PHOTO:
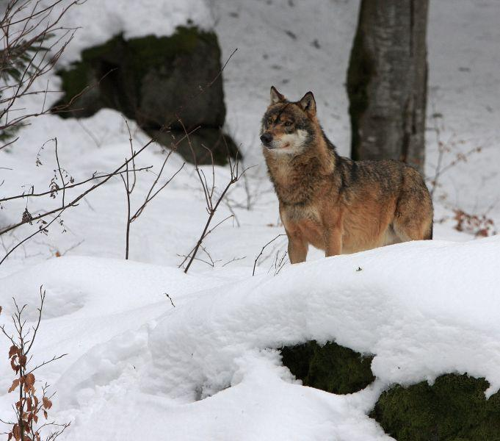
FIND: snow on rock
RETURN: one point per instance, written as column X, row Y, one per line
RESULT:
column 99, row 20
column 423, row 309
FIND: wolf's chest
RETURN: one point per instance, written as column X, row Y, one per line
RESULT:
column 300, row 213
column 305, row 222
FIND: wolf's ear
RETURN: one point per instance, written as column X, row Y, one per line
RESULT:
column 276, row 97
column 308, row 104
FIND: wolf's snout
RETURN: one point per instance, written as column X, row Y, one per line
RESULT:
column 266, row 138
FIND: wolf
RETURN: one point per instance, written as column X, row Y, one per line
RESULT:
column 331, row 202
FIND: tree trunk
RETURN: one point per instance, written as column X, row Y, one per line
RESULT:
column 387, row 81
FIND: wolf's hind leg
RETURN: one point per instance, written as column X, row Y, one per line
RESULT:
column 413, row 219
column 412, row 223
column 414, row 215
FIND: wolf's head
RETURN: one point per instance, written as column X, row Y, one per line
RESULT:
column 288, row 127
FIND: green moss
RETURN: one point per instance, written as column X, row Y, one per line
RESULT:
column 140, row 54
column 332, row 368
column 359, row 74
column 152, row 50
column 74, row 80
column 454, row 408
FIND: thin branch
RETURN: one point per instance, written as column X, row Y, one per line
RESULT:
column 262, row 251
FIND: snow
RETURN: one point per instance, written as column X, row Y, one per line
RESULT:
column 209, row 365
column 203, row 363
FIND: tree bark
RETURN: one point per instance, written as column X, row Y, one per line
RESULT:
column 387, row 81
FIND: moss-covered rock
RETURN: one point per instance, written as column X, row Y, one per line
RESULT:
column 332, row 368
column 454, row 408
column 221, row 145
column 155, row 81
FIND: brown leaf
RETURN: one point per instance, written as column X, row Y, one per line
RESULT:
column 45, row 414
column 22, row 360
column 29, row 381
column 14, row 365
column 46, row 403
column 13, row 351
column 15, row 383
column 16, row 431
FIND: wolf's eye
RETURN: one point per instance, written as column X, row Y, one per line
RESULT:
column 288, row 124
column 269, row 121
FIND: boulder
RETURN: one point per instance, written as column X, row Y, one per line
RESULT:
column 454, row 408
column 158, row 82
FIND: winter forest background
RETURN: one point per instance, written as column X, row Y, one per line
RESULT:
column 139, row 227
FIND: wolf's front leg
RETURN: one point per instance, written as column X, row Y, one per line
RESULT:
column 297, row 249
column 333, row 239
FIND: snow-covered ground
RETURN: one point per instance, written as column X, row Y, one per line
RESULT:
column 139, row 367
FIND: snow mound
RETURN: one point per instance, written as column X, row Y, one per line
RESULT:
column 437, row 312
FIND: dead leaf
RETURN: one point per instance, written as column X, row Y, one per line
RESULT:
column 46, row 403
column 13, row 351
column 29, row 381
column 15, row 383
column 22, row 360
column 16, row 431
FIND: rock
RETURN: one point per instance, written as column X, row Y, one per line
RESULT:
column 155, row 81
column 221, row 145
column 332, row 368
column 454, row 408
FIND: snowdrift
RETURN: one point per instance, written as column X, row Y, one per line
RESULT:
column 209, row 367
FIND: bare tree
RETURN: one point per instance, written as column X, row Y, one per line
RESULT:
column 29, row 406
column 31, row 42
column 38, row 220
column 387, row 81
column 129, row 179
column 212, row 199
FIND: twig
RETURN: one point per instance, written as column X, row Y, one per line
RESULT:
column 129, row 185
column 209, row 192
column 262, row 251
